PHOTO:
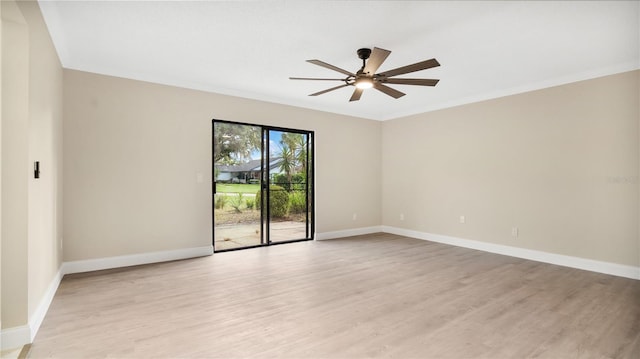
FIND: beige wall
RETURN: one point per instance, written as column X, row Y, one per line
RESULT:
column 0, row 174
column 133, row 151
column 45, row 146
column 31, row 130
column 15, row 120
column 561, row 164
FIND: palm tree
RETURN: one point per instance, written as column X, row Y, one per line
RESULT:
column 287, row 164
column 297, row 144
column 301, row 153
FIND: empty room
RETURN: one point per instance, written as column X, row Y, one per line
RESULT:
column 319, row 179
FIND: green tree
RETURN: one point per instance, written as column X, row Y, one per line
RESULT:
column 297, row 146
column 234, row 143
column 288, row 161
column 301, row 154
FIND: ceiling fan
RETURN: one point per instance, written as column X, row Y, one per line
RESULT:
column 366, row 77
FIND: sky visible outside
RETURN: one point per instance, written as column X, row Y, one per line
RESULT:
column 274, row 145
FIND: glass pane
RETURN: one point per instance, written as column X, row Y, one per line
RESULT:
column 237, row 173
column 289, row 190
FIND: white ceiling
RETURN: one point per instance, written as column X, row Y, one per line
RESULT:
column 487, row 49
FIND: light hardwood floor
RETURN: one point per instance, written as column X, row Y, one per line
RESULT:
column 375, row 296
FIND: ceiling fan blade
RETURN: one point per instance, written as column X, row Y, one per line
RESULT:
column 423, row 65
column 388, row 90
column 419, row 82
column 375, row 60
column 356, row 94
column 327, row 90
column 331, row 67
column 313, row 78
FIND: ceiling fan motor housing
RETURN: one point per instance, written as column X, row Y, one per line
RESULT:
column 364, row 53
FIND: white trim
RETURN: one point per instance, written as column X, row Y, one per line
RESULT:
column 38, row 316
column 17, row 337
column 14, row 338
column 540, row 85
column 89, row 265
column 484, row 96
column 348, row 233
column 619, row 270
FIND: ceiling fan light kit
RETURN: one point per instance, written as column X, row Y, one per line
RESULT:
column 364, row 83
column 367, row 77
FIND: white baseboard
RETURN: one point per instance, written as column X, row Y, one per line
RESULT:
column 348, row 233
column 619, row 270
column 38, row 316
column 17, row 337
column 89, row 265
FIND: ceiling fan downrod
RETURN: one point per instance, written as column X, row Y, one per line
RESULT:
column 364, row 54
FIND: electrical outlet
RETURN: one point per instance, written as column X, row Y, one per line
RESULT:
column 462, row 219
column 355, row 216
column 402, row 216
column 514, row 232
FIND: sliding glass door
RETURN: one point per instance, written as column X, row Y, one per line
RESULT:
column 289, row 198
column 263, row 185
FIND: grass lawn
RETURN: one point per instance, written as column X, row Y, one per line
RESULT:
column 237, row 188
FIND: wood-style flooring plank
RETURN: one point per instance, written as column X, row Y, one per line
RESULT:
column 373, row 296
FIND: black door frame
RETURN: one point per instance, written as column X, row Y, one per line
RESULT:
column 265, row 182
